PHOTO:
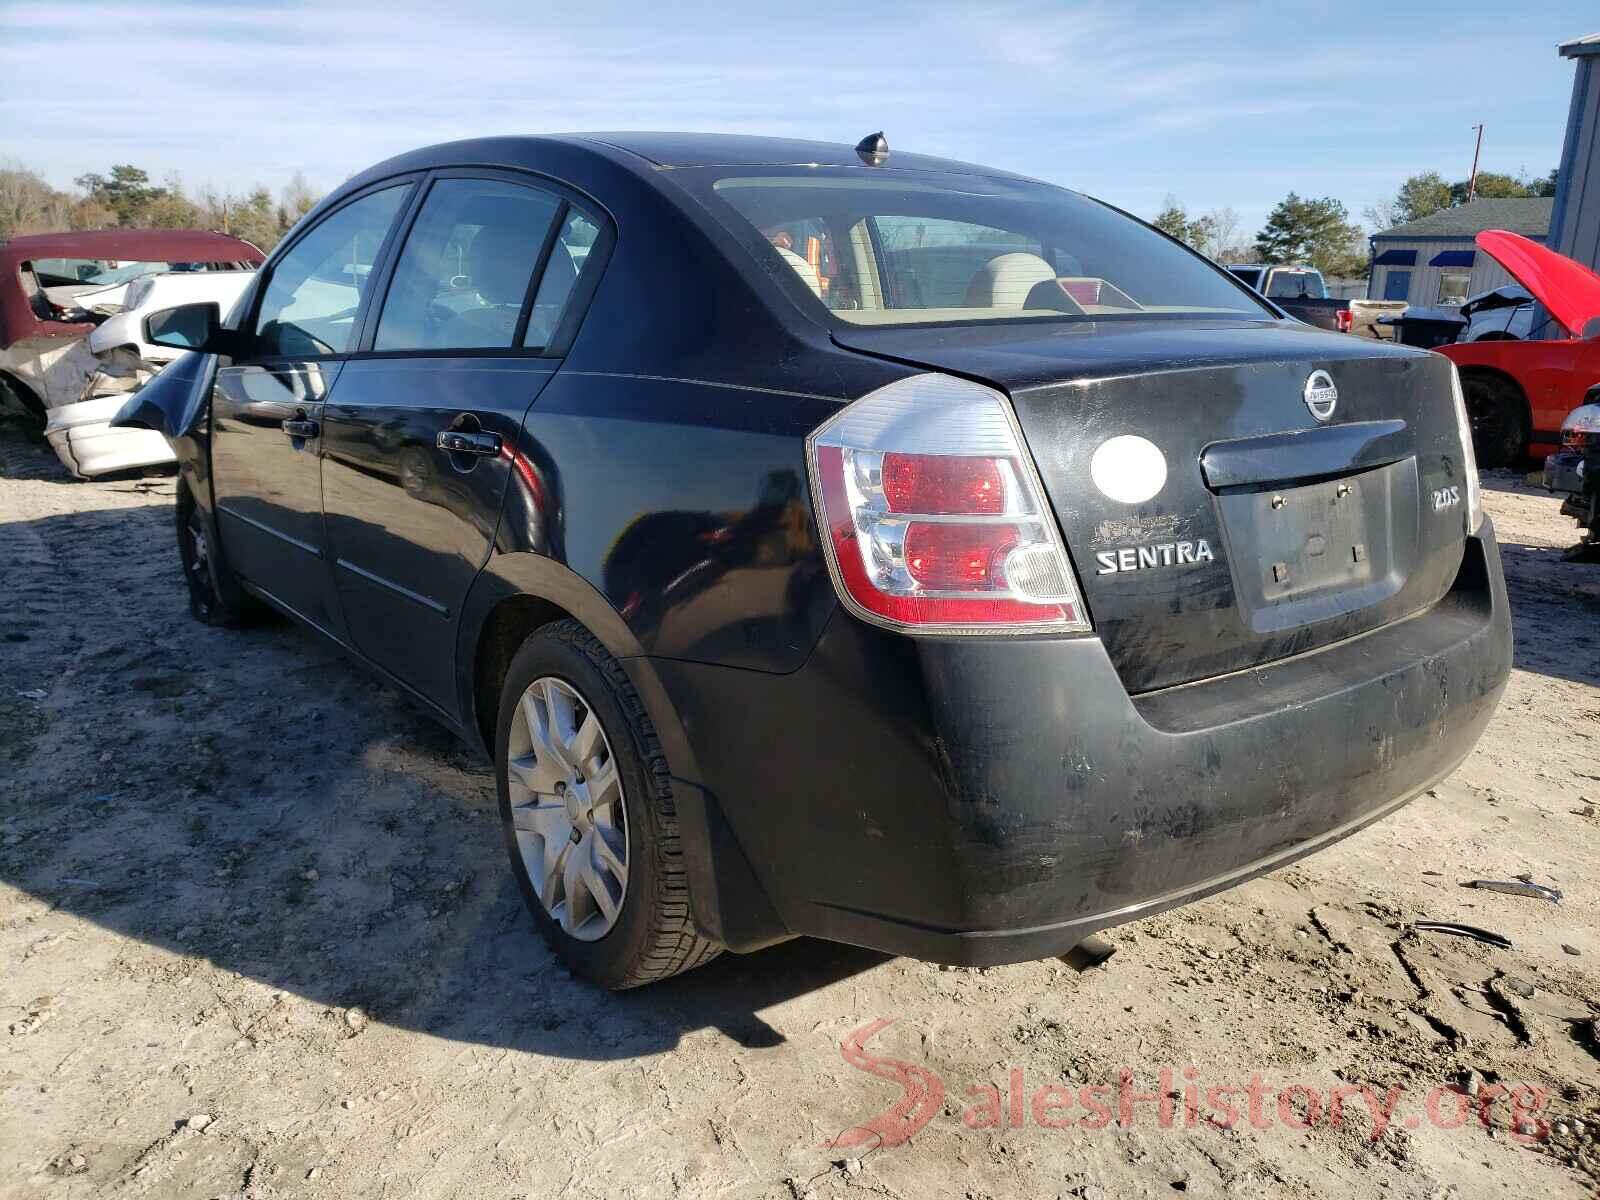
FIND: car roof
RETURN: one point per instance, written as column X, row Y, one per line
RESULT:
column 665, row 149
column 136, row 245
column 643, row 154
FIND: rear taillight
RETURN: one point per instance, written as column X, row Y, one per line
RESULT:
column 1345, row 319
column 933, row 516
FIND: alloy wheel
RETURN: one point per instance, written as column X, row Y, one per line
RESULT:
column 567, row 808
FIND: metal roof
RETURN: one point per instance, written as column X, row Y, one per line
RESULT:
column 1579, row 47
column 1527, row 215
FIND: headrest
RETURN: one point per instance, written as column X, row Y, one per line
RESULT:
column 803, row 269
column 500, row 260
column 1006, row 280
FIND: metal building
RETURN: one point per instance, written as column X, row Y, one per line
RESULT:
column 1575, row 228
column 1434, row 262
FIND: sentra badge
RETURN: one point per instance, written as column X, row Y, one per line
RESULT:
column 1161, row 554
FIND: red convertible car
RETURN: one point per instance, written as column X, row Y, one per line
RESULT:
column 1518, row 392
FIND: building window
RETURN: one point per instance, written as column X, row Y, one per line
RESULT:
column 1453, row 287
column 1397, row 285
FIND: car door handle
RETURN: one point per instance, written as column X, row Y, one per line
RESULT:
column 300, row 428
column 459, row 442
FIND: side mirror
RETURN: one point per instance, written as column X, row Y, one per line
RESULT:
column 189, row 327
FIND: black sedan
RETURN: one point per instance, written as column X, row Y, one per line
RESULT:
column 828, row 540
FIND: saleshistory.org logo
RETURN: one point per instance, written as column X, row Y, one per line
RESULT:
column 1173, row 1099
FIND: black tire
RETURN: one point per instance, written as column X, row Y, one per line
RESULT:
column 18, row 401
column 1498, row 414
column 215, row 597
column 654, row 936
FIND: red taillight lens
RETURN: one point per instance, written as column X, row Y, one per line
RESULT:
column 958, row 557
column 1578, row 439
column 943, row 483
column 933, row 515
column 1345, row 319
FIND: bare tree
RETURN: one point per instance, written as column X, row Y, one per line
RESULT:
column 28, row 204
column 1380, row 215
column 1225, row 239
column 297, row 197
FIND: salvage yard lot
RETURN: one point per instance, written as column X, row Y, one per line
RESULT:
column 259, row 939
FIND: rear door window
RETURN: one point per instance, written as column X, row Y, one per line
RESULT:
column 462, row 279
column 314, row 295
column 569, row 260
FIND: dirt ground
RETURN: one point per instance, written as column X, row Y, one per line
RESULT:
column 259, row 939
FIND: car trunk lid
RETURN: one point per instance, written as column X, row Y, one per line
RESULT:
column 1274, row 532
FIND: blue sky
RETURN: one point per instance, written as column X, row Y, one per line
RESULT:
column 1220, row 104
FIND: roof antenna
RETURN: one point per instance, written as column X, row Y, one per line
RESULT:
column 873, row 149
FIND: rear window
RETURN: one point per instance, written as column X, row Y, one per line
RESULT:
column 892, row 248
column 1296, row 285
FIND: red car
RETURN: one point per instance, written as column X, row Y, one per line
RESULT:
column 1518, row 392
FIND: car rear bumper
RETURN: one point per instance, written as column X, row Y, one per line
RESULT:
column 84, row 441
column 1563, row 472
column 980, row 801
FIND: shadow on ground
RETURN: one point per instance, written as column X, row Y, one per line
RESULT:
column 256, row 800
column 1555, row 612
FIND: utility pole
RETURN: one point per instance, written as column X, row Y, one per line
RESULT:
column 1472, row 184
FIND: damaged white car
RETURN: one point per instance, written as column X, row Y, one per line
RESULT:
column 71, row 348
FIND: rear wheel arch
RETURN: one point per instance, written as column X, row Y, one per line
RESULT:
column 510, row 623
column 515, row 595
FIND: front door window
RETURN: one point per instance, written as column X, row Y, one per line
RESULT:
column 312, row 300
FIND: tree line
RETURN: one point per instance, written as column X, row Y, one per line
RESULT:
column 1300, row 229
column 125, row 197
column 1319, row 231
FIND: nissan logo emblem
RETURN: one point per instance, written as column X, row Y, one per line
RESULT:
column 1321, row 396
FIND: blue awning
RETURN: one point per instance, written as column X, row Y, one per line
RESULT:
column 1453, row 258
column 1396, row 258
